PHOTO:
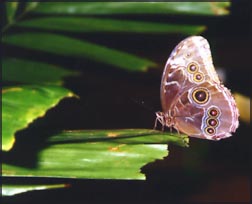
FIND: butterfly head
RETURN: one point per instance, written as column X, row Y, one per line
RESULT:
column 165, row 119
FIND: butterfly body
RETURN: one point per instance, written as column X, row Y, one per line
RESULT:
column 193, row 99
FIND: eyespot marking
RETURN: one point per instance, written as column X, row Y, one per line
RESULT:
column 200, row 95
column 198, row 77
column 214, row 112
column 192, row 67
column 212, row 122
column 210, row 130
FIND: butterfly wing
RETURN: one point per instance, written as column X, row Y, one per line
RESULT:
column 190, row 63
column 191, row 91
column 206, row 111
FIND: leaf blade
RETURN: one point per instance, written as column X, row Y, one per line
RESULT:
column 125, row 136
column 113, row 8
column 11, row 8
column 11, row 190
column 99, row 154
column 66, row 46
column 87, row 24
column 21, row 105
column 103, row 160
column 33, row 72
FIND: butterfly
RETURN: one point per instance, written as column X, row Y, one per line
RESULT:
column 193, row 99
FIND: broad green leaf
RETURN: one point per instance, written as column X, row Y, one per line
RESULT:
column 11, row 189
column 62, row 45
column 11, row 8
column 32, row 72
column 21, row 105
column 99, row 154
column 84, row 24
column 94, row 160
column 108, row 8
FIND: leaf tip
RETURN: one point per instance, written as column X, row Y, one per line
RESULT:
column 9, row 145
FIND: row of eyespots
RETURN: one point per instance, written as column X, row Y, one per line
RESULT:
column 193, row 69
column 212, row 120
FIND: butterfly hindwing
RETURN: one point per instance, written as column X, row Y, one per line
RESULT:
column 206, row 111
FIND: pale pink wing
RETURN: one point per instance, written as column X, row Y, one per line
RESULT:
column 190, row 90
column 214, row 118
column 193, row 50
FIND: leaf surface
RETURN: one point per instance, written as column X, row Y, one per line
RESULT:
column 99, row 154
column 33, row 72
column 21, row 105
column 87, row 24
column 66, row 46
column 110, row 8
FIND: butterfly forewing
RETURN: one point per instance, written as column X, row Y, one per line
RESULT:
column 190, row 55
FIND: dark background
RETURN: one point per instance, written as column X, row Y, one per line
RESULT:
column 207, row 171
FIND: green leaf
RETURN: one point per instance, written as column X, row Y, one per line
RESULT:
column 84, row 24
column 30, row 5
column 125, row 136
column 32, row 72
column 11, row 189
column 11, row 8
column 96, row 160
column 108, row 8
column 67, row 46
column 21, row 105
column 99, row 154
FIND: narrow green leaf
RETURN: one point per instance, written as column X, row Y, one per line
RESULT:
column 93, row 160
column 11, row 8
column 84, row 24
column 108, row 8
column 30, row 5
column 125, row 136
column 10, row 189
column 32, row 72
column 67, row 46
column 21, row 105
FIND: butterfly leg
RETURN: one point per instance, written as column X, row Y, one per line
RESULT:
column 155, row 125
column 160, row 118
